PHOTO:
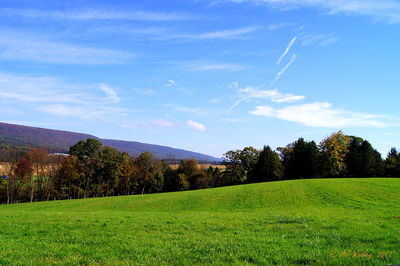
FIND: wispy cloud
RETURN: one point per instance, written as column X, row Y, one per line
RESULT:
column 388, row 10
column 223, row 34
column 162, row 123
column 196, row 125
column 53, row 96
column 190, row 110
column 97, row 14
column 320, row 39
column 112, row 94
column 284, row 69
column 21, row 47
column 170, row 83
column 291, row 43
column 252, row 93
column 320, row 114
column 153, row 123
column 233, row 85
column 278, row 26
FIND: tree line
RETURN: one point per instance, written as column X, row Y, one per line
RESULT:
column 93, row 170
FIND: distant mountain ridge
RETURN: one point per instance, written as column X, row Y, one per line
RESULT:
column 60, row 141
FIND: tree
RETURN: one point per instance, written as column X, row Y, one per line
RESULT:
column 334, row 150
column 39, row 159
column 239, row 164
column 149, row 173
column 126, row 182
column 362, row 160
column 86, row 149
column 87, row 153
column 191, row 169
column 22, row 174
column 392, row 163
column 68, row 182
column 111, row 169
column 371, row 161
column 268, row 167
column 301, row 159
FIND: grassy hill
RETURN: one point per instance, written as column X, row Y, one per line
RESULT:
column 60, row 141
column 332, row 221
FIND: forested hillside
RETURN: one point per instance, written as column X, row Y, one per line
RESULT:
column 60, row 141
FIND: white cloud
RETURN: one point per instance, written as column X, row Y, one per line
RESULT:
column 162, row 123
column 321, row 39
column 234, row 85
column 388, row 10
column 320, row 114
column 170, row 83
column 151, row 124
column 190, row 110
column 252, row 93
column 284, row 69
column 39, row 89
column 22, row 47
column 69, row 111
column 272, row 95
column 291, row 43
column 196, row 125
column 278, row 26
column 224, row 34
column 97, row 14
column 111, row 93
column 53, row 96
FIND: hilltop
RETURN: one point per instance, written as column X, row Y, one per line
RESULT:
column 59, row 141
column 330, row 221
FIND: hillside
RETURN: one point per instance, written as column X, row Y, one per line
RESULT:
column 333, row 221
column 60, row 141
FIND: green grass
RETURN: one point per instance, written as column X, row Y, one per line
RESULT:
column 332, row 221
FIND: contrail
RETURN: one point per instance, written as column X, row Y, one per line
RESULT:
column 291, row 43
column 278, row 76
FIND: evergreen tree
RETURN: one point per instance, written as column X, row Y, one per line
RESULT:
column 301, row 159
column 268, row 167
column 392, row 163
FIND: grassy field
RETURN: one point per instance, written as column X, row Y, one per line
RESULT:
column 342, row 221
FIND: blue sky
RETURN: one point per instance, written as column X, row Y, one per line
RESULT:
column 204, row 75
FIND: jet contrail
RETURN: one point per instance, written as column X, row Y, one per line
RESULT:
column 278, row 76
column 291, row 43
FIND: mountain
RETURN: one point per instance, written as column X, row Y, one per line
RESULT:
column 59, row 141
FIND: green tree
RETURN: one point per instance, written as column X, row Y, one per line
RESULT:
column 239, row 164
column 86, row 149
column 268, row 167
column 87, row 153
column 362, row 160
column 301, row 159
column 392, row 163
column 111, row 170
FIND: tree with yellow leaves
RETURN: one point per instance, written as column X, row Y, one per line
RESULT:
column 333, row 150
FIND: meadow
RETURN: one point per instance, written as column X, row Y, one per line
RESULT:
column 299, row 222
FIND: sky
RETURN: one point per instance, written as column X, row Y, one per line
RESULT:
column 204, row 75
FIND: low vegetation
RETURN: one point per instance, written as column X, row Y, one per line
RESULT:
column 315, row 222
